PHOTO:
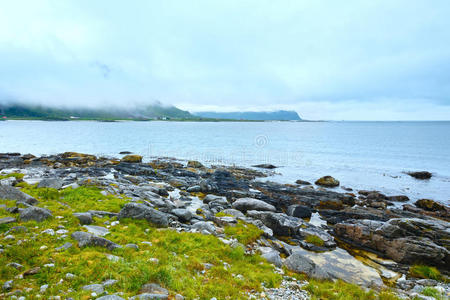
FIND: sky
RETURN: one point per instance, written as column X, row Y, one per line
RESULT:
column 328, row 60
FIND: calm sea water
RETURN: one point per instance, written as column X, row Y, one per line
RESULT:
column 362, row 155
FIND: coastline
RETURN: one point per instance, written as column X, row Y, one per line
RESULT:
column 297, row 226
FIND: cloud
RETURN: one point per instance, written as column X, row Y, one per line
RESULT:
column 230, row 54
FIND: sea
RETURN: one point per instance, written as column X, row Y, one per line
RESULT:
column 361, row 155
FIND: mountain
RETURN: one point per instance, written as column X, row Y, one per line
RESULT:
column 280, row 115
column 155, row 111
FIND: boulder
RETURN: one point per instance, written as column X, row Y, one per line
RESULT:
column 420, row 175
column 85, row 218
column 12, row 193
column 195, row 164
column 233, row 212
column 183, row 214
column 430, row 205
column 327, row 181
column 399, row 198
column 96, row 230
column 96, row 288
column 7, row 220
column 265, row 166
column 273, row 257
column 140, row 211
column 298, row 263
column 211, row 197
column 88, row 239
column 245, row 204
column 299, row 211
column 132, row 158
column 35, row 213
column 281, row 224
column 153, row 288
column 302, row 182
column 54, row 183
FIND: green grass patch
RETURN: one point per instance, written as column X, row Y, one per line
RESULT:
column 423, row 271
column 243, row 232
column 314, row 239
column 432, row 292
column 18, row 176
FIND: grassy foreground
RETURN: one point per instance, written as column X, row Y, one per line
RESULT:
column 174, row 260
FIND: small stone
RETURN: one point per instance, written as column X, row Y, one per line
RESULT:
column 9, row 237
column 48, row 231
column 42, row 248
column 43, row 288
column 179, row 297
column 49, row 265
column 109, row 282
column 8, row 285
column 15, row 265
column 70, row 276
column 96, row 288
column 64, row 247
column 132, row 246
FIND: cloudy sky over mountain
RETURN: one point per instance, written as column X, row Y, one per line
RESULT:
column 326, row 59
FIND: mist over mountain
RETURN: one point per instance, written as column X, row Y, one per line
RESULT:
column 280, row 115
column 39, row 111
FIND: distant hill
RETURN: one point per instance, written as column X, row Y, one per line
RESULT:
column 280, row 115
column 155, row 111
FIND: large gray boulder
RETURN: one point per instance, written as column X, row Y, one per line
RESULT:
column 84, row 217
column 183, row 214
column 140, row 211
column 298, row 263
column 88, row 239
column 12, row 193
column 35, row 213
column 54, row 183
column 245, row 204
column 280, row 223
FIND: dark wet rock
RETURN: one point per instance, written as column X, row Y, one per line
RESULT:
column 403, row 240
column 7, row 220
column 32, row 271
column 335, row 204
column 299, row 211
column 88, row 239
column 35, row 213
column 245, row 204
column 132, row 158
column 302, row 182
column 140, row 211
column 400, row 198
column 420, row 174
column 125, row 152
column 301, row 264
column 84, row 218
column 265, row 166
column 54, row 183
column 430, row 205
column 195, row 164
column 8, row 285
column 376, row 197
column 12, row 193
column 327, row 181
column 333, row 216
column 222, row 182
column 280, row 223
column 183, row 215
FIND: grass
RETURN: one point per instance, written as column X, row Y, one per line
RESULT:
column 180, row 256
column 423, row 271
column 18, row 176
column 243, row 232
column 314, row 239
column 432, row 292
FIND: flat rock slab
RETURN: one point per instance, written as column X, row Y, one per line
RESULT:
column 96, row 230
column 245, row 204
column 7, row 220
column 110, row 297
column 11, row 193
column 54, row 183
column 140, row 211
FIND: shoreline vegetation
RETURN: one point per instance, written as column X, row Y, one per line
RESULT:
column 77, row 226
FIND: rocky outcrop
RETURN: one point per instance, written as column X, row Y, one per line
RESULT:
column 245, row 204
column 140, row 211
column 298, row 263
column 132, row 158
column 54, row 183
column 327, row 181
column 430, row 205
column 12, row 193
column 403, row 240
column 420, row 175
column 35, row 213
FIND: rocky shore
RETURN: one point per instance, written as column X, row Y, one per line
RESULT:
column 296, row 230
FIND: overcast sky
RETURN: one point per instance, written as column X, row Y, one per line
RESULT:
column 352, row 60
